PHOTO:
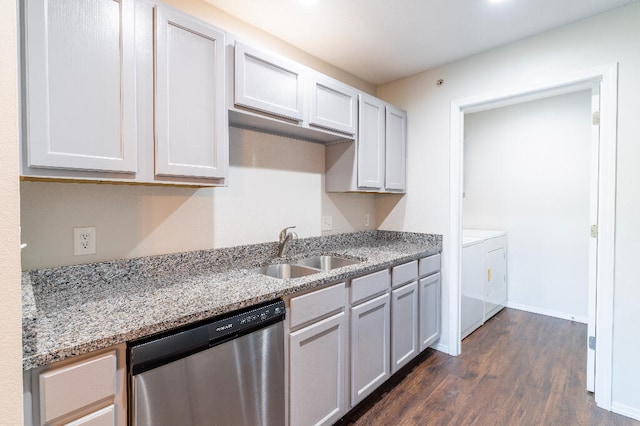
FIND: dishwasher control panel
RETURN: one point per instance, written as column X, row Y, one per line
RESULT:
column 236, row 323
column 148, row 353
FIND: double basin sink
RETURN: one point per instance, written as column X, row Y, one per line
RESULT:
column 306, row 266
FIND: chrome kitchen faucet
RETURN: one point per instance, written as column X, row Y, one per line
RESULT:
column 285, row 236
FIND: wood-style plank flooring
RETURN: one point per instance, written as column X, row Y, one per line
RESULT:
column 517, row 369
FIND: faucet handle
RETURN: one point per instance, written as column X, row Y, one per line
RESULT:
column 284, row 232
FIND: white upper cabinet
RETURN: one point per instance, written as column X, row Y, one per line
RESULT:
column 123, row 91
column 268, row 83
column 333, row 105
column 190, row 109
column 80, row 85
column 376, row 161
column 371, row 142
column 275, row 95
column 395, row 149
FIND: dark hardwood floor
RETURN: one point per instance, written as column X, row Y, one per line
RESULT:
column 517, row 369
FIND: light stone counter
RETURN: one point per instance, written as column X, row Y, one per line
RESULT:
column 73, row 310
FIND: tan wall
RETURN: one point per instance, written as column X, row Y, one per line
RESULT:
column 273, row 182
column 10, row 312
column 251, row 34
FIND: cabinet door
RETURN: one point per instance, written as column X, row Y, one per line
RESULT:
column 370, row 347
column 191, row 118
column 79, row 385
column 404, row 325
column 80, row 85
column 429, row 310
column 318, row 372
column 268, row 83
column 333, row 105
column 371, row 136
column 395, row 149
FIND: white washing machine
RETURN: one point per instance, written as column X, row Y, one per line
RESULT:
column 484, row 273
column 472, row 288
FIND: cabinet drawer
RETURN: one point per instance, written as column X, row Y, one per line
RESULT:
column 77, row 386
column 317, row 304
column 429, row 265
column 404, row 273
column 103, row 417
column 370, row 285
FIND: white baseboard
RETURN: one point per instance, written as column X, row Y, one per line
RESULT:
column 625, row 410
column 547, row 312
column 440, row 347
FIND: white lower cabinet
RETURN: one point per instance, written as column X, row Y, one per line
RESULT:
column 429, row 310
column 370, row 346
column 88, row 391
column 318, row 372
column 404, row 325
column 318, row 356
column 103, row 417
column 347, row 339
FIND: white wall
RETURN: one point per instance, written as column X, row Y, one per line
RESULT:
column 607, row 38
column 527, row 172
column 10, row 312
column 273, row 182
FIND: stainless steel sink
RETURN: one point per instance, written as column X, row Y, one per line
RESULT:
column 304, row 267
column 325, row 263
column 286, row 270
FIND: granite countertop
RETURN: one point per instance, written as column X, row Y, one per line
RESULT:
column 69, row 311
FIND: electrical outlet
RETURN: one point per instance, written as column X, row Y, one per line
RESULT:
column 84, row 241
column 366, row 220
column 327, row 223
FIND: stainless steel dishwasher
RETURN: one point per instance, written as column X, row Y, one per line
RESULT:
column 229, row 371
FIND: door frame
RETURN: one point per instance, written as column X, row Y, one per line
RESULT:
column 607, row 77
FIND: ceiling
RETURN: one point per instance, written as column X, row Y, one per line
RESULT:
column 384, row 40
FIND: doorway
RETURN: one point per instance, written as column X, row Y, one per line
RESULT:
column 527, row 171
column 601, row 296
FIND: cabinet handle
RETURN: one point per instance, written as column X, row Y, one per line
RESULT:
column 489, row 274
